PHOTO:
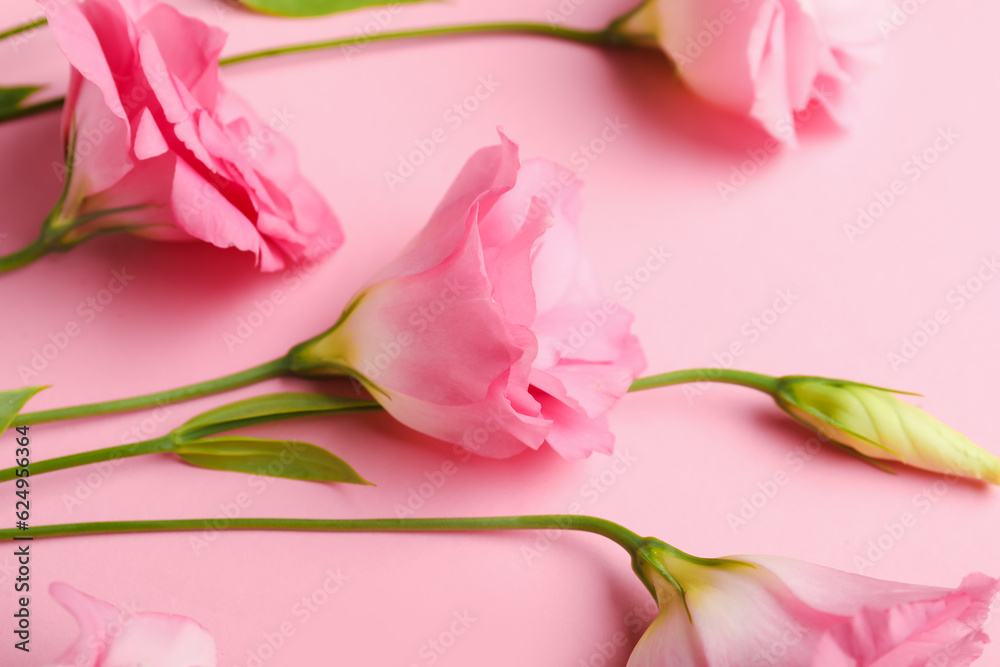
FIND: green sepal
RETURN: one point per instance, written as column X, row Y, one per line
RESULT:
column 11, row 98
column 276, row 458
column 868, row 459
column 836, row 424
column 301, row 8
column 791, row 378
column 646, row 554
column 268, row 408
column 69, row 241
column 11, row 402
column 790, row 399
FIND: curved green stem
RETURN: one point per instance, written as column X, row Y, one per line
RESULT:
column 48, row 240
column 26, row 255
column 588, row 37
column 282, row 367
column 188, row 434
column 60, row 235
column 630, row 541
column 764, row 383
column 605, row 37
column 271, row 369
column 157, row 445
column 22, row 28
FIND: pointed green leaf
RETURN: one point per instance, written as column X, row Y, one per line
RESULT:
column 314, row 7
column 11, row 402
column 268, row 408
column 11, row 98
column 276, row 458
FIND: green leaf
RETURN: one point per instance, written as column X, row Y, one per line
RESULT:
column 268, row 408
column 276, row 458
column 11, row 98
column 11, row 402
column 315, row 7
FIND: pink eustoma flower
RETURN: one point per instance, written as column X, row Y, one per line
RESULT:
column 491, row 331
column 110, row 637
column 768, row 58
column 149, row 126
column 752, row 611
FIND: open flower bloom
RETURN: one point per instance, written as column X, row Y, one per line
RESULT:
column 750, row 611
column 875, row 423
column 110, row 637
column 491, row 330
column 767, row 59
column 149, row 127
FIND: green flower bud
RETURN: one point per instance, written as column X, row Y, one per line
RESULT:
column 875, row 423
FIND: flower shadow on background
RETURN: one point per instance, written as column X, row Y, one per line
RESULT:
column 671, row 113
column 783, row 432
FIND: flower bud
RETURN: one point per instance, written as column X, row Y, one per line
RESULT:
column 875, row 423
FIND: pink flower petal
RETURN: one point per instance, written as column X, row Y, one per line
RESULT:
column 144, row 87
column 448, row 336
column 765, row 610
column 111, row 638
column 767, row 59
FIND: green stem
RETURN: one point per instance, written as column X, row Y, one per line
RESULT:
column 170, row 442
column 764, row 383
column 157, row 445
column 22, row 28
column 49, row 239
column 281, row 367
column 619, row 534
column 278, row 368
column 59, row 235
column 272, row 369
column 590, row 38
column 26, row 255
column 605, row 37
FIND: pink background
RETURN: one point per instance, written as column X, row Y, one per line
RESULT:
column 688, row 462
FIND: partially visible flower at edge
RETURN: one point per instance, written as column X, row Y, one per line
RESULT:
column 157, row 146
column 754, row 611
column 767, row 59
column 110, row 637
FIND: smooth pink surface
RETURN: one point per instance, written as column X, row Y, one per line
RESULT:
column 777, row 237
